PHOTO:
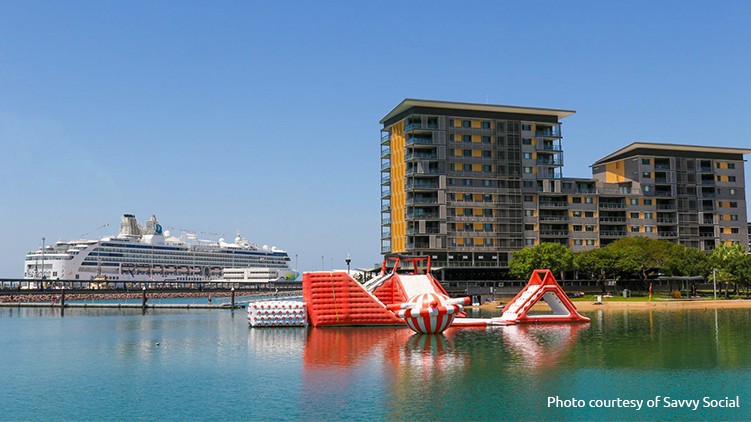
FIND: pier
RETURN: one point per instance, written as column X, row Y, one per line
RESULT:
column 60, row 293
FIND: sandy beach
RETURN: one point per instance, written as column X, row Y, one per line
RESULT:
column 659, row 304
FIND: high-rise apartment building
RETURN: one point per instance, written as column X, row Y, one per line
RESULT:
column 470, row 183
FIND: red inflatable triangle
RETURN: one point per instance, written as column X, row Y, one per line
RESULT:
column 541, row 285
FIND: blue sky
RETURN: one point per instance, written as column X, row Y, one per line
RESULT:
column 263, row 116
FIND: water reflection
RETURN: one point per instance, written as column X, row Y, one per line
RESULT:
column 541, row 346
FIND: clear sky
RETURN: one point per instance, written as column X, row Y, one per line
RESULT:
column 263, row 116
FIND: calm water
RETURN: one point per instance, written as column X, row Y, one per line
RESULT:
column 188, row 365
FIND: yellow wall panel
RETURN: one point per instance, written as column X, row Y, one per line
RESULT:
column 398, row 194
column 614, row 172
column 476, row 124
column 476, row 153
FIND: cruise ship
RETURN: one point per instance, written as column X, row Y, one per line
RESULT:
column 147, row 253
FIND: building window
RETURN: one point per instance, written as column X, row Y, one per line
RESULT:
column 733, row 205
column 486, row 154
column 466, row 123
column 646, row 175
column 486, row 168
column 487, row 197
column 529, row 213
column 649, row 229
column 527, row 183
column 467, row 152
column 526, row 141
column 577, row 242
column 486, row 183
column 577, row 228
column 467, row 196
column 576, row 214
column 528, row 170
column 647, row 202
column 634, row 201
column 499, row 126
column 487, row 212
column 467, row 167
column 634, row 215
column 588, row 200
column 648, row 215
column 589, row 228
column 634, row 229
column 734, row 230
column 452, row 181
column 466, row 138
column 528, row 198
column 590, row 242
column 529, row 242
column 733, row 218
column 731, row 179
column 527, row 155
column 732, row 191
column 468, row 212
column 451, row 122
column 731, row 166
column 486, row 125
column 647, row 188
column 645, row 161
column 529, row 227
column 452, row 136
column 589, row 214
column 485, row 139
column 576, row 200
column 526, row 127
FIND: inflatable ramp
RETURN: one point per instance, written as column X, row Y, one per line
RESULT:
column 335, row 298
column 542, row 286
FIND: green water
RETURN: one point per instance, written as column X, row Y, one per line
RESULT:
column 207, row 364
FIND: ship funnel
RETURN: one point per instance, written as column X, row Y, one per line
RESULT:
column 129, row 226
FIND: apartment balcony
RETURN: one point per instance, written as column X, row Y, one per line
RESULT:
column 667, row 221
column 705, row 235
column 663, row 194
column 549, row 162
column 667, row 234
column 386, row 179
column 554, row 132
column 548, row 219
column 705, row 169
column 385, row 207
column 612, row 206
column 672, row 207
column 420, row 156
column 422, row 215
column 420, row 126
column 553, row 233
column 613, row 220
column 385, row 193
column 662, row 180
column 386, row 166
column 707, row 182
column 416, row 172
column 420, row 185
column 419, row 140
column 542, row 146
column 548, row 204
column 662, row 166
column 613, row 234
column 422, row 201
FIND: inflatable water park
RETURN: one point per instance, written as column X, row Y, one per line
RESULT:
column 405, row 293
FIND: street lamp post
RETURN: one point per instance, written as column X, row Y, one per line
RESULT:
column 348, row 260
column 43, row 247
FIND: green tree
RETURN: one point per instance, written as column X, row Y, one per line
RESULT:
column 553, row 256
column 597, row 264
column 684, row 261
column 640, row 256
column 725, row 258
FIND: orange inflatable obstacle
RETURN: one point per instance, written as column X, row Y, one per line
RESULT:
column 542, row 286
column 335, row 298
